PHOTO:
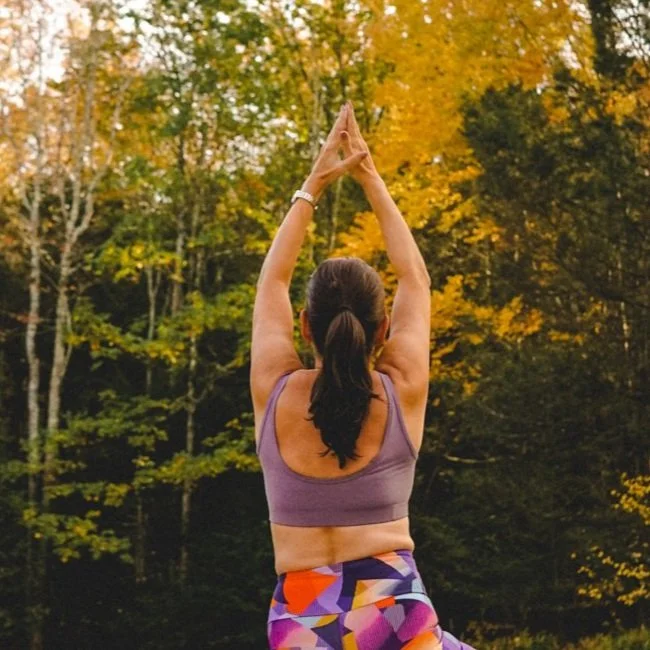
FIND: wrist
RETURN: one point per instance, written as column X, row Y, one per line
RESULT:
column 314, row 186
column 372, row 182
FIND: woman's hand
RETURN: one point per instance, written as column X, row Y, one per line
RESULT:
column 328, row 166
column 353, row 143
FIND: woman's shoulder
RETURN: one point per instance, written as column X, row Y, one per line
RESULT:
column 263, row 386
column 411, row 393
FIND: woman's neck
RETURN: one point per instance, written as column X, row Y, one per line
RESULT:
column 318, row 364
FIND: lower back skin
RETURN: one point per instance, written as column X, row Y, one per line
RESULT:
column 298, row 548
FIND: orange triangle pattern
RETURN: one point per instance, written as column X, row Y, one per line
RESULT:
column 302, row 589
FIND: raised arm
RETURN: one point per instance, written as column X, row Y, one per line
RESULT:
column 407, row 350
column 272, row 349
column 406, row 354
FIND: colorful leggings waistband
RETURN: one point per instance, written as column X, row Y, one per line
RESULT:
column 374, row 603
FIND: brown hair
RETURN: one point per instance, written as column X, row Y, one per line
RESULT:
column 344, row 307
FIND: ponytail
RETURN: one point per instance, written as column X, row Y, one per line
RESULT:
column 341, row 394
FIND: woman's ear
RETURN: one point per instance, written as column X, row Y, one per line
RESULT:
column 304, row 326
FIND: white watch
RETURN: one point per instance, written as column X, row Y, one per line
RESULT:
column 301, row 194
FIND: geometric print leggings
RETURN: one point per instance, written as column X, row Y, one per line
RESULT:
column 374, row 603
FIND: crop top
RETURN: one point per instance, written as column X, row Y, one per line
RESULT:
column 378, row 492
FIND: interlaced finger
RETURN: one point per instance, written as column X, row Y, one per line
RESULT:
column 346, row 165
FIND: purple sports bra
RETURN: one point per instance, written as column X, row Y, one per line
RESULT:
column 378, row 492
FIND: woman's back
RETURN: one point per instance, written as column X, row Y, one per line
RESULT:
column 292, row 444
column 300, row 442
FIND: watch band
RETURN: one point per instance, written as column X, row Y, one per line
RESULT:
column 301, row 194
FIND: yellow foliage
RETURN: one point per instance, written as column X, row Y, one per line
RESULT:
column 442, row 52
column 451, row 315
column 469, row 387
column 621, row 105
column 627, row 579
column 566, row 337
column 484, row 229
column 511, row 322
column 557, row 113
column 636, row 498
column 80, row 531
column 447, row 305
column 363, row 239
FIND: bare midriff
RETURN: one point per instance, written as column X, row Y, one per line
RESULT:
column 297, row 548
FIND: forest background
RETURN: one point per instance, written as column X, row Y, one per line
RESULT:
column 148, row 151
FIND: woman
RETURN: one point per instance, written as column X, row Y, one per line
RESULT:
column 338, row 443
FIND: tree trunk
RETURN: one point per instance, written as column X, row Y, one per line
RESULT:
column 34, row 575
column 177, row 281
column 152, row 294
column 57, row 374
column 194, row 280
column 140, row 536
column 186, row 503
column 59, row 362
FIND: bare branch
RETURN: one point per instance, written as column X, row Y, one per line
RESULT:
column 470, row 461
column 89, row 201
